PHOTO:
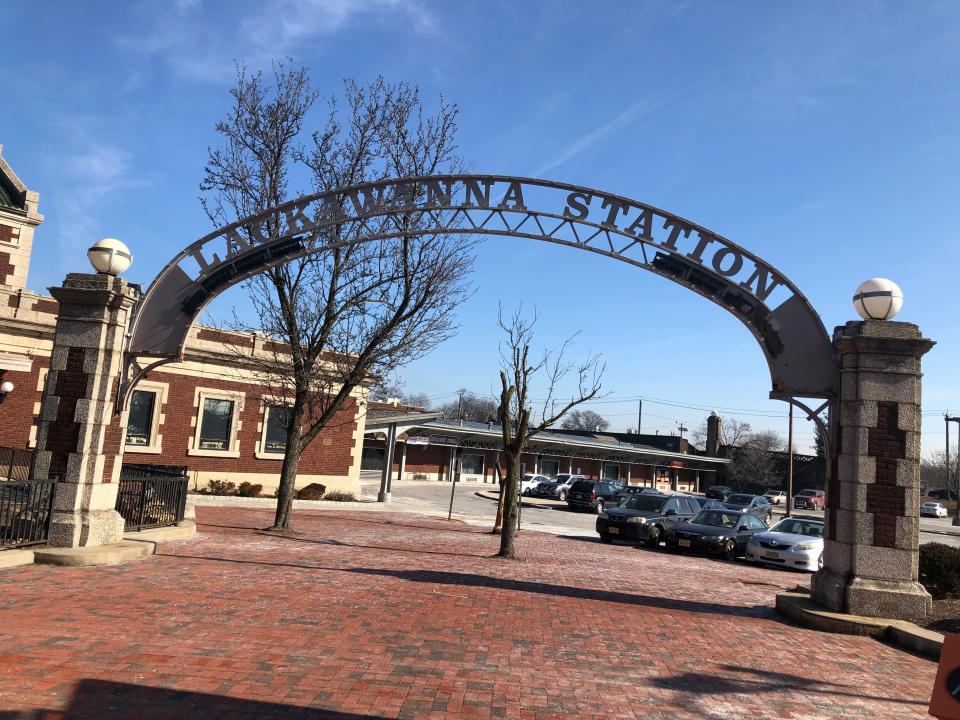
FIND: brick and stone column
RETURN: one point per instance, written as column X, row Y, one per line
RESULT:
column 79, row 440
column 872, row 550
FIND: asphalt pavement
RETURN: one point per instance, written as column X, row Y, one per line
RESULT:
column 473, row 503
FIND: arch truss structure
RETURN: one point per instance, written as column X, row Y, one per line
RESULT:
column 789, row 331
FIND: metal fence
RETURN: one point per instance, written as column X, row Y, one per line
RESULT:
column 152, row 496
column 25, row 504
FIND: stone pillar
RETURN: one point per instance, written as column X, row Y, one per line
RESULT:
column 871, row 552
column 79, row 440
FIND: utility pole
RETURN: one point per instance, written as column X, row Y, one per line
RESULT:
column 947, row 419
column 461, row 393
column 790, row 461
column 681, row 427
column 639, row 416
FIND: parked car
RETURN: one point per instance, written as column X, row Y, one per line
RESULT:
column 719, row 492
column 942, row 494
column 559, row 487
column 592, row 494
column 529, row 481
column 631, row 490
column 644, row 518
column 809, row 500
column 776, row 497
column 933, row 509
column 792, row 542
column 715, row 532
column 754, row 504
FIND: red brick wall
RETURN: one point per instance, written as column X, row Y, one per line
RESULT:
column 328, row 454
column 16, row 412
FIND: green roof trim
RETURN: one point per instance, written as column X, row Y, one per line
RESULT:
column 9, row 198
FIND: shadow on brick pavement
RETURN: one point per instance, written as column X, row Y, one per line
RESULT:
column 364, row 615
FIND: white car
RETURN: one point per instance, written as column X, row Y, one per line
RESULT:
column 792, row 542
column 933, row 509
column 776, row 497
column 529, row 481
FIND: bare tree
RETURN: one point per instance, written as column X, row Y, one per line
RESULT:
column 337, row 318
column 584, row 420
column 698, row 436
column 471, row 407
column 519, row 367
column 734, row 432
column 754, row 462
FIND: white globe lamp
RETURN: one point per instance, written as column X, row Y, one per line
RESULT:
column 878, row 299
column 109, row 256
column 6, row 387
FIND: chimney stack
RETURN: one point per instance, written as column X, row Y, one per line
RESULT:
column 713, row 434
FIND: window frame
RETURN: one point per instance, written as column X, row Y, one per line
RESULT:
column 155, row 445
column 267, row 402
column 201, row 395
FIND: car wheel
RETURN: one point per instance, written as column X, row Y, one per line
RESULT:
column 730, row 550
column 820, row 562
column 653, row 539
column 606, row 538
column 562, row 496
column 599, row 506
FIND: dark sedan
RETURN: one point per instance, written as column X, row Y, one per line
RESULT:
column 715, row 532
column 644, row 518
column 754, row 504
column 719, row 492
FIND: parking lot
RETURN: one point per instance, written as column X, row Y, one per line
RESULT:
column 368, row 614
column 555, row 517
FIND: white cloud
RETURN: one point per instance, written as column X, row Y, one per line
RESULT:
column 88, row 179
column 190, row 47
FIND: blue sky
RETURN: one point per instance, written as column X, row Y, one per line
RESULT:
column 822, row 136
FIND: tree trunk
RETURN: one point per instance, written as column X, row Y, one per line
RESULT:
column 510, row 491
column 498, row 523
column 288, row 472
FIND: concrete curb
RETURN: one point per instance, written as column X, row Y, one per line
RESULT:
column 15, row 558
column 232, row 501
column 802, row 610
column 111, row 554
column 183, row 530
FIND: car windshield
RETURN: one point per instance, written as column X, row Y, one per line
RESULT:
column 643, row 503
column 799, row 527
column 740, row 499
column 716, row 518
column 561, row 478
column 582, row 485
column 807, row 493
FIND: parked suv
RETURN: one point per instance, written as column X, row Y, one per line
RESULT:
column 593, row 494
column 810, row 500
column 559, row 487
column 719, row 492
column 645, row 518
column 756, row 505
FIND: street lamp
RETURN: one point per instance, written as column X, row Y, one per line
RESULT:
column 6, row 387
column 109, row 256
column 878, row 299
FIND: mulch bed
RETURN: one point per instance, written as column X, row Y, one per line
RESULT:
column 945, row 617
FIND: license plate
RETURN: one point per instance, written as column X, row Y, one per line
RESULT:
column 614, row 531
column 578, row 497
column 772, row 555
column 684, row 543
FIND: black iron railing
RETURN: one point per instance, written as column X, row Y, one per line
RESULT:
column 25, row 504
column 152, row 496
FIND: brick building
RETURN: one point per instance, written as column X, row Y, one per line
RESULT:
column 209, row 412
column 432, row 448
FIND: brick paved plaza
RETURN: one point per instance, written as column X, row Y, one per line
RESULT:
column 378, row 615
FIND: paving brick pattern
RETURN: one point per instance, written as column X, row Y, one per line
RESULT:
column 368, row 615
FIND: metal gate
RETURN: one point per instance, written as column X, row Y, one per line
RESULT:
column 152, row 496
column 25, row 504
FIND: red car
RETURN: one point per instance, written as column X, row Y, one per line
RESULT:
column 809, row 500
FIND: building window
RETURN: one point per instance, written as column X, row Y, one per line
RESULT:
column 550, row 468
column 215, row 424
column 140, row 419
column 275, row 436
column 471, row 465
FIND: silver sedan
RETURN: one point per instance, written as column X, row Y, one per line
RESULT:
column 793, row 542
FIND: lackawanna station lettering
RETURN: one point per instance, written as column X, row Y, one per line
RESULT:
column 611, row 224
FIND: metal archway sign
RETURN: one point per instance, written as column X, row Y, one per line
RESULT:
column 789, row 331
